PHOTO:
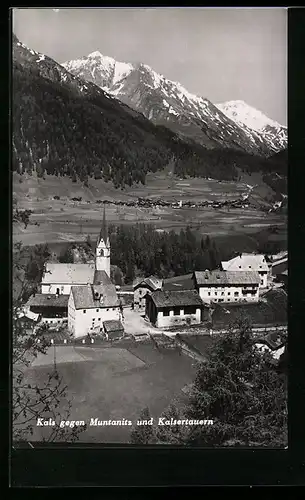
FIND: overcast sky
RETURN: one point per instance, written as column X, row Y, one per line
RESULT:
column 222, row 54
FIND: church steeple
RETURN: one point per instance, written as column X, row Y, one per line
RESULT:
column 104, row 230
column 102, row 254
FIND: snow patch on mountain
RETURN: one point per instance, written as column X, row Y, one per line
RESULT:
column 241, row 112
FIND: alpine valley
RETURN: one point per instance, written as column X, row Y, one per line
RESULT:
column 95, row 129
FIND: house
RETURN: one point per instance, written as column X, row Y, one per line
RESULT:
column 170, row 308
column 52, row 309
column 142, row 287
column 227, row 286
column 113, row 329
column 249, row 262
column 90, row 306
column 59, row 278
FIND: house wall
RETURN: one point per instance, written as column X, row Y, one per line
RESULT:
column 227, row 294
column 49, row 311
column 163, row 321
column 71, row 315
column 264, row 277
column 92, row 320
column 139, row 298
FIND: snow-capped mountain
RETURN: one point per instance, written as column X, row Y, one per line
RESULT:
column 243, row 114
column 168, row 103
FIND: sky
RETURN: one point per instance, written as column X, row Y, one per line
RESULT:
column 217, row 53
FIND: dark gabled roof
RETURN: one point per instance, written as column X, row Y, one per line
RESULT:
column 173, row 298
column 113, row 325
column 185, row 282
column 48, row 300
column 84, row 296
column 226, row 278
column 151, row 282
column 101, row 278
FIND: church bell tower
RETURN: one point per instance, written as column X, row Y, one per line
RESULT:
column 102, row 253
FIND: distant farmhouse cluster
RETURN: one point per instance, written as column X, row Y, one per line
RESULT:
column 83, row 297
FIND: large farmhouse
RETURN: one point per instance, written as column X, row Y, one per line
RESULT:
column 227, row 286
column 249, row 262
column 172, row 308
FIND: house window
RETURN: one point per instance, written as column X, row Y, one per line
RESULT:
column 140, row 292
column 239, row 267
column 249, row 267
column 209, row 293
column 229, row 300
column 97, row 310
column 84, row 311
column 107, row 309
column 99, row 319
column 176, row 311
column 166, row 312
column 235, row 300
column 229, row 293
column 262, row 282
column 93, row 319
column 190, row 310
column 215, row 293
column 236, row 294
column 222, row 293
column 62, row 288
column 57, row 291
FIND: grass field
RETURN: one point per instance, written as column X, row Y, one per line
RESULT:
column 64, row 220
column 115, row 384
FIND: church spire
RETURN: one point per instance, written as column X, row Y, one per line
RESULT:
column 104, row 230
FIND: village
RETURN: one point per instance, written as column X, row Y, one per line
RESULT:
column 79, row 304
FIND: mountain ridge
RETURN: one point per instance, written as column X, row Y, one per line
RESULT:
column 169, row 103
column 66, row 126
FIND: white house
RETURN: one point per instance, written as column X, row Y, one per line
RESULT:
column 89, row 306
column 227, row 286
column 170, row 308
column 249, row 262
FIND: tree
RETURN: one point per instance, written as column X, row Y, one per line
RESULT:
column 172, row 434
column 143, row 433
column 33, row 399
column 241, row 391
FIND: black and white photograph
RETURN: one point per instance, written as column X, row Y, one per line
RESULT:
column 149, row 226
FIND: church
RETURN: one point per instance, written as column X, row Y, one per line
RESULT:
column 87, row 297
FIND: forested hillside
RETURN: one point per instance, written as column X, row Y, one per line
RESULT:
column 65, row 126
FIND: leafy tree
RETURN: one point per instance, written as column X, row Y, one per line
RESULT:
column 143, row 434
column 173, row 434
column 241, row 391
column 33, row 398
